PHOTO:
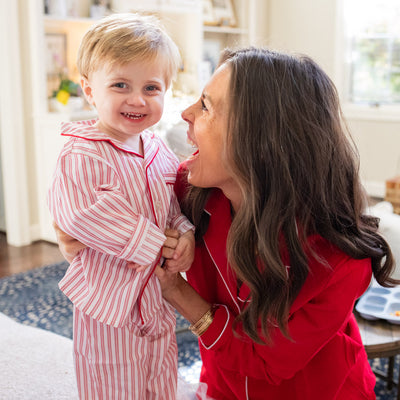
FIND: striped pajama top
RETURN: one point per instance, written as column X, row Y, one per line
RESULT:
column 118, row 203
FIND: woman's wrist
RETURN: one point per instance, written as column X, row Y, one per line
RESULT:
column 172, row 292
column 204, row 322
column 187, row 301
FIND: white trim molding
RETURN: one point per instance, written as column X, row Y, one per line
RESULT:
column 12, row 129
column 382, row 113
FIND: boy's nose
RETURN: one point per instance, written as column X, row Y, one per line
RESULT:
column 136, row 99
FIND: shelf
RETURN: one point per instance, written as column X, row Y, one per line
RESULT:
column 224, row 30
column 55, row 18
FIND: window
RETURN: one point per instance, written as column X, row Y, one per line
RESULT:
column 373, row 35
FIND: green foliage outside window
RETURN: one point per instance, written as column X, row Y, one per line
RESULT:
column 373, row 28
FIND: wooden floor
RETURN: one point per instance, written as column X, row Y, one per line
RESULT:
column 20, row 259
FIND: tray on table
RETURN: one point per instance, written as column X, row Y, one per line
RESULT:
column 379, row 302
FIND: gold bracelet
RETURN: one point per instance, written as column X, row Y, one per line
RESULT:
column 203, row 323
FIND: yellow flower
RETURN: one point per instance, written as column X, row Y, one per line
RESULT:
column 63, row 96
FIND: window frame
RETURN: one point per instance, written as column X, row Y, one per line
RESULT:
column 372, row 112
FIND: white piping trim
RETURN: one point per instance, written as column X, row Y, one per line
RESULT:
column 243, row 300
column 226, row 285
column 223, row 330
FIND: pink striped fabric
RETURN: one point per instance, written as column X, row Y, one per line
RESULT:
column 123, row 363
column 118, row 203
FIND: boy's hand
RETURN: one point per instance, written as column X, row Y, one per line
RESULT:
column 167, row 251
column 138, row 267
column 182, row 256
column 68, row 246
column 178, row 252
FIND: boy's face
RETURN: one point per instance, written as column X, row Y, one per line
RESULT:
column 129, row 98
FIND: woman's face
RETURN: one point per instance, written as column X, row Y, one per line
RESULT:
column 208, row 124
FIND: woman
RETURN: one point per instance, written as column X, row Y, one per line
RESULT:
column 287, row 205
column 283, row 247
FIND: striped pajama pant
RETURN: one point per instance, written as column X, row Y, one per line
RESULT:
column 122, row 363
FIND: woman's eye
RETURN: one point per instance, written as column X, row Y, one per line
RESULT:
column 203, row 106
column 120, row 85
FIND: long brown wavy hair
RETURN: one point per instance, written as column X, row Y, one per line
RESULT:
column 292, row 155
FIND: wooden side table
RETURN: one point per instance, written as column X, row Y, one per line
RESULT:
column 381, row 339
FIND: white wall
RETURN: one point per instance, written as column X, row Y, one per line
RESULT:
column 2, row 208
column 378, row 142
column 306, row 26
column 311, row 27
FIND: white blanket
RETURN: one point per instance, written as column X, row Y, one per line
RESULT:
column 38, row 364
column 34, row 363
column 389, row 226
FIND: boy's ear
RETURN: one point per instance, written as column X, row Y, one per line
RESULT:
column 87, row 90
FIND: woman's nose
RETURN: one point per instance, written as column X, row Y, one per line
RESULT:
column 187, row 115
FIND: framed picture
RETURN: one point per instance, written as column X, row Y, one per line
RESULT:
column 56, row 53
column 56, row 60
column 208, row 13
column 224, row 12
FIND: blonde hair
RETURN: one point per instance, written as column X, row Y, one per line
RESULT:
column 122, row 38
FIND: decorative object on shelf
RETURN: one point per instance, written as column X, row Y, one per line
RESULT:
column 56, row 59
column 99, row 8
column 211, row 52
column 224, row 12
column 66, row 89
column 65, row 95
column 58, row 8
column 67, row 98
column 56, row 48
column 208, row 13
column 393, row 193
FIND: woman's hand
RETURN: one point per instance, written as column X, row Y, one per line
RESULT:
column 68, row 246
column 177, row 291
column 169, row 281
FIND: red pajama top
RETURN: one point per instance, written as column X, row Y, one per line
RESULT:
column 118, row 203
column 325, row 358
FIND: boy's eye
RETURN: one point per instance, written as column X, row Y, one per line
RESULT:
column 151, row 88
column 120, row 85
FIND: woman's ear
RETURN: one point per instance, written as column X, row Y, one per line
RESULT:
column 87, row 90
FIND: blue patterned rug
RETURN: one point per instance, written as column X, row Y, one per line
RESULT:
column 33, row 298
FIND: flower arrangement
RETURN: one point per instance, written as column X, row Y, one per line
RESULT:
column 67, row 89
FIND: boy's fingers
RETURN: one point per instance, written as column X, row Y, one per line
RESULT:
column 173, row 233
column 137, row 267
column 171, row 242
column 167, row 252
